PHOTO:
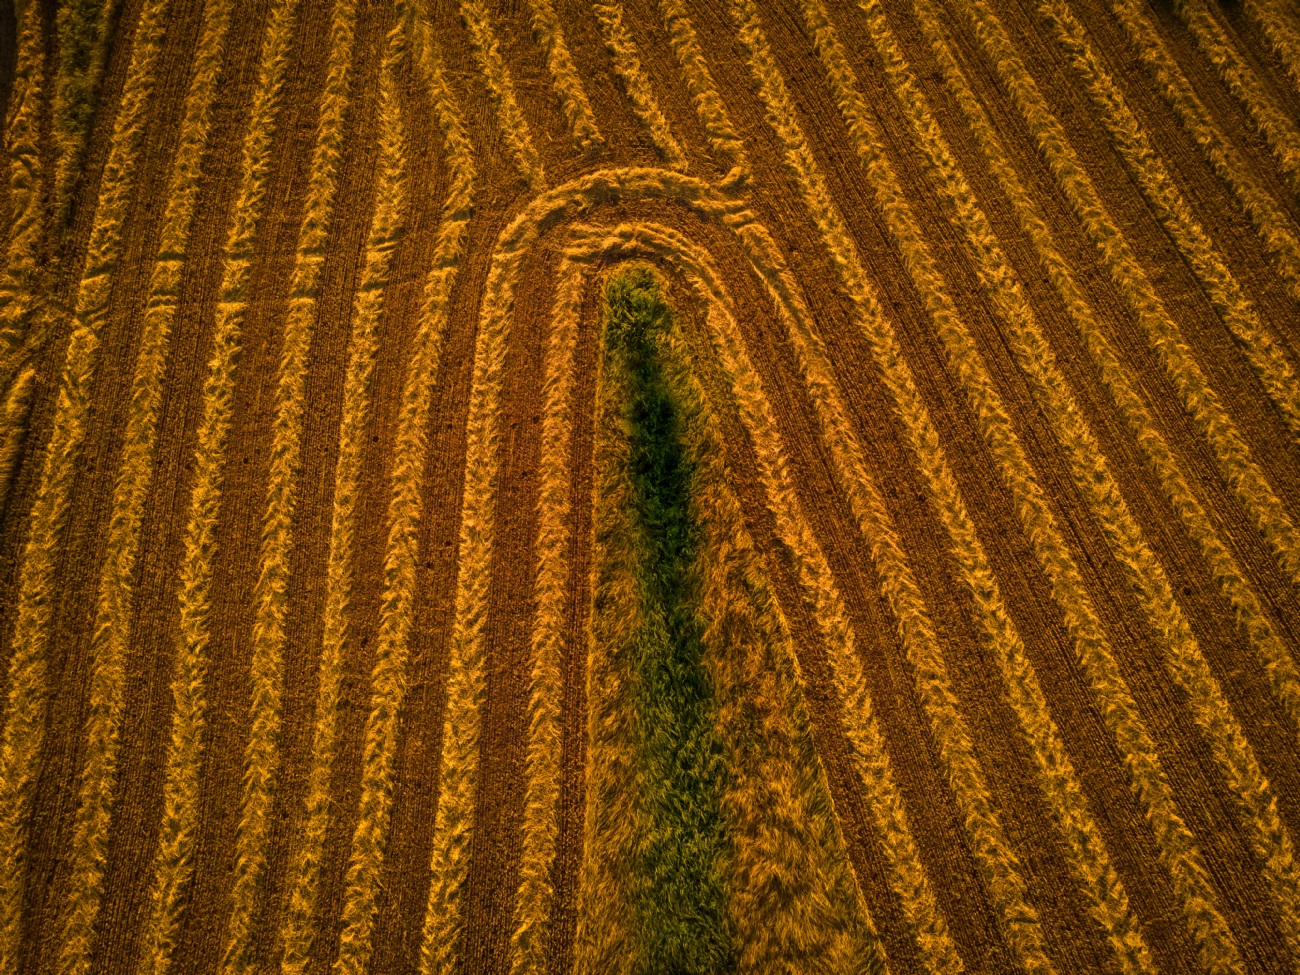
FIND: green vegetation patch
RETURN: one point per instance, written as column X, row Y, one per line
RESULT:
column 85, row 29
column 681, row 900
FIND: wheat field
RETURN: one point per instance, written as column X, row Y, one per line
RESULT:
column 545, row 487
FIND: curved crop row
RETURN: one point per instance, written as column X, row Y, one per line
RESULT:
column 623, row 49
column 1281, row 132
column 26, row 229
column 999, row 864
column 270, row 594
column 573, row 99
column 1085, row 850
column 1163, row 334
column 724, row 141
column 24, row 724
column 788, row 911
column 1260, row 346
column 870, row 760
column 466, row 659
column 401, row 556
column 796, row 922
column 518, row 136
column 529, row 943
column 466, row 665
column 1095, row 484
column 1270, row 221
column 297, row 929
column 173, row 865
column 116, row 597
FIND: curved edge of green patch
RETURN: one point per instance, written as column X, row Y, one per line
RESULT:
column 680, row 899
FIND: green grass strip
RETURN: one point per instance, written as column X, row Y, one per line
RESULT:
column 681, row 899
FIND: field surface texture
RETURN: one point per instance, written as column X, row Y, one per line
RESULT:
column 621, row 487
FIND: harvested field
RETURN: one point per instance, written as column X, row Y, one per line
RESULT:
column 538, row 487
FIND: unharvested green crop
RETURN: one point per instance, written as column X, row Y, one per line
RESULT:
column 680, row 898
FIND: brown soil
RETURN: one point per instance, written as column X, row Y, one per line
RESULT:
column 487, row 898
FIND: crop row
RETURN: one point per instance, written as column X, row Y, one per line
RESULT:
column 1037, row 361
column 1188, row 665
column 1134, row 284
column 386, row 228
column 869, row 758
column 1282, row 31
column 826, row 605
column 49, row 126
column 623, row 49
column 1261, row 348
column 568, row 83
column 466, row 664
column 605, row 935
column 1282, row 133
column 1094, row 482
column 1232, row 753
column 1087, row 855
column 401, row 558
column 1269, row 219
column 270, row 594
column 513, row 125
column 27, row 223
column 774, row 814
column 1123, row 387
column 999, row 864
column 533, row 904
column 466, row 685
column 115, row 602
column 723, row 140
column 735, row 577
column 792, row 891
column 34, row 629
column 173, row 862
